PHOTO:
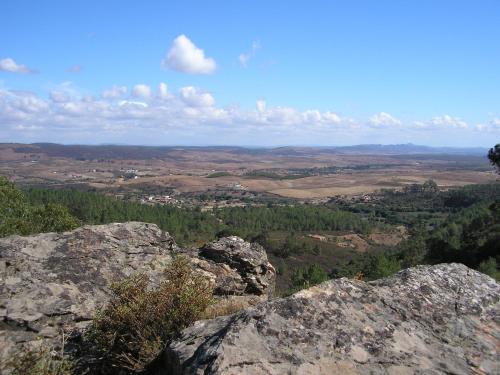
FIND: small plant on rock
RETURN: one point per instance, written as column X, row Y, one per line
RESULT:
column 140, row 319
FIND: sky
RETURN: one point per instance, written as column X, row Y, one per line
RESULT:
column 250, row 73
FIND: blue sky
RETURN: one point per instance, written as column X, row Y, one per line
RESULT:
column 250, row 73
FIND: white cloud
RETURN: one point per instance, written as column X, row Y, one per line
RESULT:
column 75, row 68
column 114, row 92
column 331, row 117
column 194, row 97
column 261, row 105
column 185, row 57
column 493, row 125
column 245, row 57
column 69, row 116
column 162, row 92
column 124, row 103
column 448, row 121
column 59, row 96
column 383, row 119
column 441, row 122
column 141, row 91
column 9, row 65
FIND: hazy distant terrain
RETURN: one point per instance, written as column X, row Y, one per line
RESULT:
column 293, row 172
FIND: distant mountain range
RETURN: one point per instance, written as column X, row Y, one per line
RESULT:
column 410, row 148
column 163, row 152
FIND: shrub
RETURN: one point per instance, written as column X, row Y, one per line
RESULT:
column 306, row 277
column 140, row 320
column 489, row 267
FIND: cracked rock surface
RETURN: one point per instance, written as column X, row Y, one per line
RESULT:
column 442, row 319
column 55, row 282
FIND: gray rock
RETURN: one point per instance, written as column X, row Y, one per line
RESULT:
column 54, row 282
column 249, row 259
column 442, row 319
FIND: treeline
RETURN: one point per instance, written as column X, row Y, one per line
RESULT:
column 291, row 219
column 191, row 226
column 186, row 225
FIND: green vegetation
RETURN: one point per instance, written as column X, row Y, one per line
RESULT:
column 458, row 225
column 494, row 156
column 19, row 216
column 186, row 225
column 305, row 277
column 190, row 226
column 273, row 175
column 219, row 174
column 256, row 220
column 419, row 204
column 139, row 320
column 471, row 237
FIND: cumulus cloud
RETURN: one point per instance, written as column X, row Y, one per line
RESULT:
column 292, row 116
column 383, row 119
column 59, row 96
column 114, row 92
column 191, row 112
column 75, row 68
column 493, row 125
column 184, row 56
column 195, row 97
column 162, row 92
column 245, row 57
column 141, row 91
column 448, row 121
column 132, row 103
column 261, row 105
column 9, row 65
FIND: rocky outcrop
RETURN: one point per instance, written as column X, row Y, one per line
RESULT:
column 423, row 320
column 55, row 282
column 248, row 259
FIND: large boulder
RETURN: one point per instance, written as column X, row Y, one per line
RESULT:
column 54, row 282
column 248, row 259
column 425, row 320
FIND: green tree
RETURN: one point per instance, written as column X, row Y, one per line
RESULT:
column 494, row 156
column 19, row 216
column 489, row 267
column 305, row 277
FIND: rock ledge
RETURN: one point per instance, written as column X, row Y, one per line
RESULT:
column 423, row 320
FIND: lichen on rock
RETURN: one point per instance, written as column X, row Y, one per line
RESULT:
column 427, row 320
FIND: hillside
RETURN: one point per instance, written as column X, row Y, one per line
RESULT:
column 439, row 318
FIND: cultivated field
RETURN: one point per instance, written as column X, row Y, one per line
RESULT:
column 302, row 173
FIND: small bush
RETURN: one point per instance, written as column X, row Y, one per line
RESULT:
column 40, row 361
column 140, row 320
column 306, row 277
column 489, row 267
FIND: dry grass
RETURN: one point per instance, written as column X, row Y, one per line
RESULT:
column 225, row 306
column 43, row 360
